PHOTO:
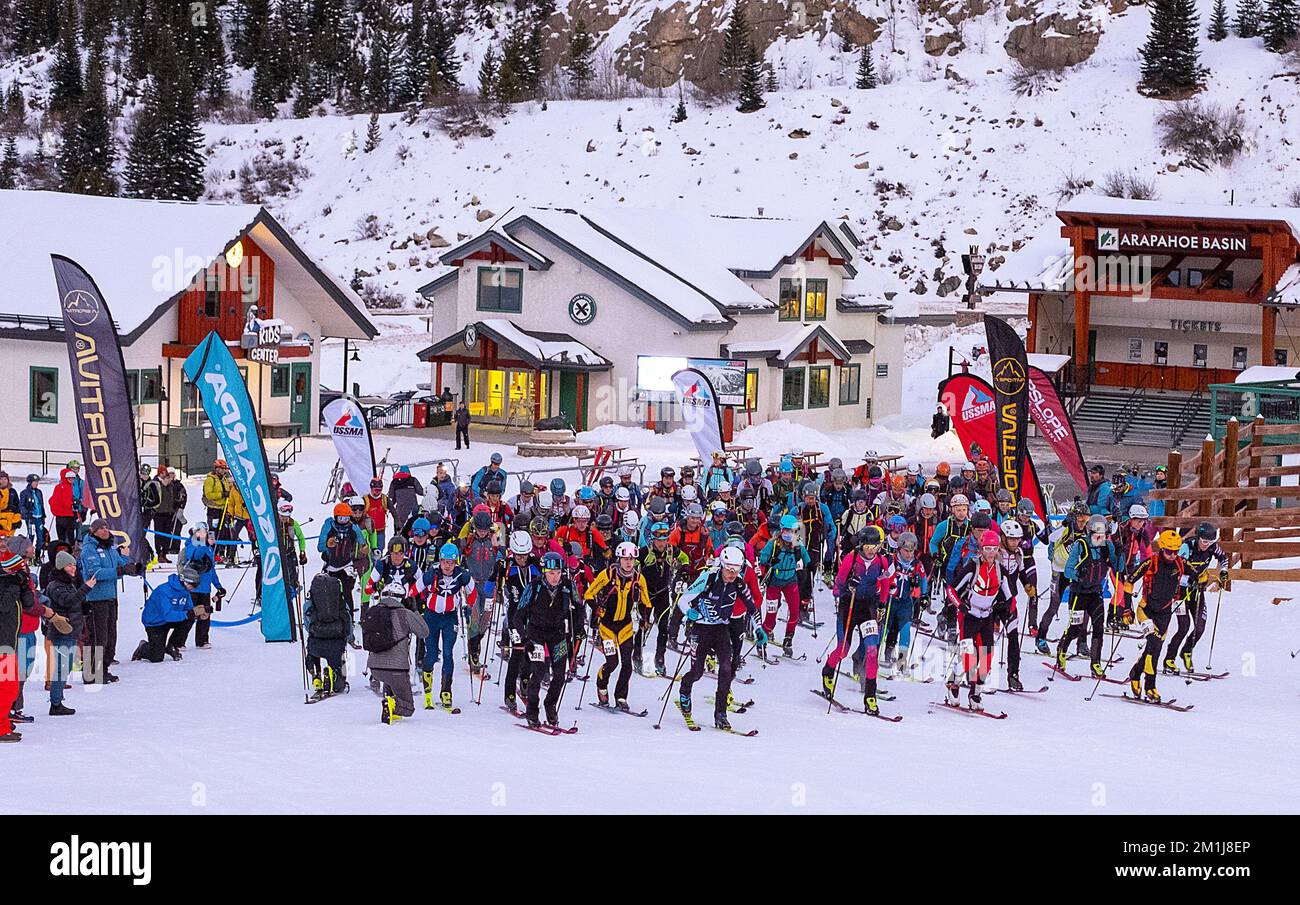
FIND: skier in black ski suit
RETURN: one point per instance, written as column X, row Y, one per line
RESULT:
column 541, row 626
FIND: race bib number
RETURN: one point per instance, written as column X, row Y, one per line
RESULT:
column 871, row 628
column 537, row 654
column 1180, row 607
column 770, row 607
column 609, row 647
column 968, row 646
column 1076, row 618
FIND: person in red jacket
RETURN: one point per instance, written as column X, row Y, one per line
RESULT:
column 376, row 509
column 66, row 503
column 17, row 599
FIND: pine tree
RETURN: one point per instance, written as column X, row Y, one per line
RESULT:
column 249, row 18
column 1219, row 21
column 36, row 25
column 769, row 79
column 679, row 115
column 372, row 134
column 88, row 154
column 415, row 61
column 9, row 165
column 15, row 112
column 65, row 92
column 264, row 94
column 1281, row 24
column 1171, row 56
column 444, row 66
column 384, row 64
column 866, row 69
column 487, row 77
column 735, row 48
column 1247, row 21
column 751, row 85
column 332, row 29
column 579, row 65
column 509, row 86
column 165, row 156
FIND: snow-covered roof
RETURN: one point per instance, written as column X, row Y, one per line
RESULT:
column 539, row 349
column 1287, row 292
column 1129, row 207
column 1267, row 374
column 784, row 348
column 1048, row 364
column 1043, row 264
column 141, row 254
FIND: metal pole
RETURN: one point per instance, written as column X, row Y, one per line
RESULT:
column 346, row 343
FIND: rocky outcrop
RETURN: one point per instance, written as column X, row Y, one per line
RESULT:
column 1053, row 42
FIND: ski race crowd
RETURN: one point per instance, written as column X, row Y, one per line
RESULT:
column 716, row 565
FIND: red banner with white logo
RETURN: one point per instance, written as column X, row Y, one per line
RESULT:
column 1053, row 422
column 971, row 406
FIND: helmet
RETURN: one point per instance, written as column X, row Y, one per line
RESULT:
column 1004, row 496
column 943, row 469
column 353, row 502
column 545, row 501
column 449, row 551
column 1025, row 506
column 145, row 469
column 625, row 550
column 605, row 522
column 967, row 466
column 789, row 523
column 606, row 481
column 342, row 510
column 660, row 531
column 623, row 493
column 1170, row 540
column 284, row 507
column 839, row 475
column 421, row 526
column 956, row 483
column 36, row 477
column 928, row 501
column 870, row 536
column 625, row 471
column 376, row 483
column 896, row 523
column 689, row 493
column 1078, row 507
column 808, row 489
column 1012, row 528
column 981, row 520
column 1096, row 525
column 981, row 465
column 219, row 463
column 396, row 545
column 990, row 538
column 521, row 543
column 858, row 494
column 984, row 506
column 836, row 464
column 495, row 458
column 630, row 520
column 774, row 522
column 539, row 527
column 1206, row 531
column 189, row 576
column 552, row 562
column 585, row 494
column 667, row 472
column 462, row 483
column 482, row 521
column 898, row 482
column 907, row 541
column 1137, row 510
column 914, row 470
column 493, row 487
column 735, row 529
column 581, row 513
column 656, row 505
column 875, row 473
column 525, row 487
column 786, row 466
column 695, row 511
column 753, row 468
column 958, row 500
column 557, row 486
column 717, row 506
column 733, row 557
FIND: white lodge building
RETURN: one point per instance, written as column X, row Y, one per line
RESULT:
column 547, row 310
column 170, row 272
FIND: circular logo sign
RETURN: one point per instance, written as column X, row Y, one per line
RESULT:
column 81, row 307
column 1008, row 376
column 582, row 309
column 471, row 336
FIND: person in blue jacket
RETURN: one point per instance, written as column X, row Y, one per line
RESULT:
column 1098, row 491
column 486, row 475
column 198, row 555
column 167, row 613
column 31, row 502
column 1125, row 493
column 102, row 558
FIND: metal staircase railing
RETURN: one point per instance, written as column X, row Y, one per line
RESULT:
column 1128, row 412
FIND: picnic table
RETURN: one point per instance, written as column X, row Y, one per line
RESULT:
column 887, row 461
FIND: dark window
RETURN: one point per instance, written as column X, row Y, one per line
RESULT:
column 790, row 299
column 1196, row 276
column 192, row 413
column 850, row 384
column 211, row 296
column 500, row 289
column 280, row 380
column 43, row 395
column 814, row 308
column 819, row 386
column 1200, row 355
column 792, row 389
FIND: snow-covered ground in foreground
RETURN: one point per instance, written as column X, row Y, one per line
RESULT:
column 225, row 730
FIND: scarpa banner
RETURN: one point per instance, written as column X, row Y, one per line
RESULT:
column 1011, row 395
column 1053, row 422
column 973, row 410
column 211, row 368
column 104, row 416
column 352, row 442
column 700, row 411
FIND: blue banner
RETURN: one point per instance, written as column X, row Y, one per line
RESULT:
column 211, row 368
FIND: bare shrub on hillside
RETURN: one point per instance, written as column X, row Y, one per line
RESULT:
column 1204, row 133
column 268, row 176
column 1118, row 184
column 1072, row 184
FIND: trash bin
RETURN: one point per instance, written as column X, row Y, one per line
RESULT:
column 420, row 414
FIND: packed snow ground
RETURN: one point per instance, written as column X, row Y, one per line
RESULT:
column 225, row 730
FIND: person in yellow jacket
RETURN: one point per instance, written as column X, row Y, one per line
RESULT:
column 237, row 518
column 613, row 595
column 11, row 515
column 216, row 491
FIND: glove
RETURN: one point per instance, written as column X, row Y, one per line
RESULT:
column 331, row 542
column 760, row 636
column 693, row 615
column 61, row 624
column 200, row 612
column 220, row 595
column 1223, row 576
column 1145, row 627
column 302, row 559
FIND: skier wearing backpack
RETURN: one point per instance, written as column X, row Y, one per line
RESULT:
column 339, row 542
column 386, row 630
column 520, row 571
column 451, row 592
column 542, row 626
column 328, row 622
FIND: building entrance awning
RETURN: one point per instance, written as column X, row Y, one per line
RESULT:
column 497, row 343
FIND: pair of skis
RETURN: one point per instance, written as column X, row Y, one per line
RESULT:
column 844, row 708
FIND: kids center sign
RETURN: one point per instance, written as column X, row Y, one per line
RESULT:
column 1112, row 238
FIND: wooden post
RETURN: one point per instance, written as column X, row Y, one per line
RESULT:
column 1256, row 444
column 1206, row 477
column 1231, row 445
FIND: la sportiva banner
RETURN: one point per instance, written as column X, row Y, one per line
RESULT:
column 211, row 368
column 972, row 407
column 1011, row 396
column 700, row 411
column 352, row 441
column 105, row 419
column 1053, row 421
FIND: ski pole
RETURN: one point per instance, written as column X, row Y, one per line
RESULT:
column 590, row 660
column 1218, row 604
column 848, row 627
column 1067, row 637
column 677, row 674
column 482, row 676
column 1114, row 646
column 302, row 646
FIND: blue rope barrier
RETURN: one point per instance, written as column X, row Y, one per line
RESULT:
column 224, row 543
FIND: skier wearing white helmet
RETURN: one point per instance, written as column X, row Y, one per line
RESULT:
column 613, row 596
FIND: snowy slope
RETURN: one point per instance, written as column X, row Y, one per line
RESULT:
column 225, row 730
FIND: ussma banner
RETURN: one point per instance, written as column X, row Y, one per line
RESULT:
column 973, row 409
column 1011, row 395
column 700, row 411
column 229, row 408
column 104, row 417
column 352, row 442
